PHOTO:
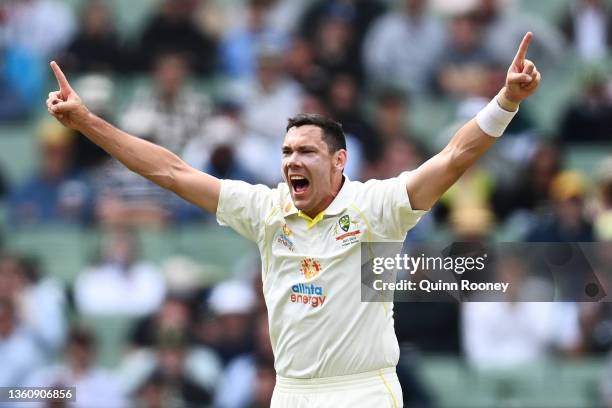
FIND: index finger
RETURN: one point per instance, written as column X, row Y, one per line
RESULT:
column 61, row 78
column 522, row 51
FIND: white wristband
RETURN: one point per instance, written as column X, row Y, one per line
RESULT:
column 493, row 119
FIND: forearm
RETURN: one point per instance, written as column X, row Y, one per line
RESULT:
column 465, row 148
column 471, row 141
column 439, row 173
column 147, row 159
column 154, row 162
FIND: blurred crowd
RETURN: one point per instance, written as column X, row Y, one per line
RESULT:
column 215, row 83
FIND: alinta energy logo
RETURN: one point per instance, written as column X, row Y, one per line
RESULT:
column 308, row 294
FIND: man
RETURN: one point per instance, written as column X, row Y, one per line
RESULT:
column 331, row 349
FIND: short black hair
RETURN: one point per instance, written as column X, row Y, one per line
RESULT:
column 333, row 135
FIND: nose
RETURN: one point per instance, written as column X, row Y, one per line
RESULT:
column 293, row 160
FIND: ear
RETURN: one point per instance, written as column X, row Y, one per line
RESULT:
column 340, row 158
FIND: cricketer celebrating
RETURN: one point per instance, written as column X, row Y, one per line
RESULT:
column 331, row 349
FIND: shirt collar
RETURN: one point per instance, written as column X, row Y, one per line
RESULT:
column 340, row 203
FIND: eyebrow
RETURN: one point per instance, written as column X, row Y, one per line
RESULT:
column 302, row 147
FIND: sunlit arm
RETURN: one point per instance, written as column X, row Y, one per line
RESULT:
column 154, row 162
column 427, row 183
column 147, row 159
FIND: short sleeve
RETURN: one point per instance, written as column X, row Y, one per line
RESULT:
column 244, row 207
column 389, row 210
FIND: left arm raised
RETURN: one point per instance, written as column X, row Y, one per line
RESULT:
column 428, row 182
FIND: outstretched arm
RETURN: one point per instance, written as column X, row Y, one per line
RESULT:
column 147, row 159
column 427, row 183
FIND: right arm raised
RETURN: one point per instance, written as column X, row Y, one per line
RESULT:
column 157, row 164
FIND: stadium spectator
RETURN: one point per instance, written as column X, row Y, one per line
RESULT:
column 301, row 66
column 95, row 386
column 173, row 315
column 587, row 25
column 214, row 151
column 127, row 201
column 344, row 96
column 19, row 352
column 529, row 194
column 588, row 118
column 121, row 283
column 95, row 46
column 21, row 81
column 391, row 143
column 240, row 46
column 173, row 320
column 504, row 27
column 55, row 193
column 245, row 376
column 39, row 300
column 171, row 378
column 422, row 37
column 41, row 27
column 172, row 29
column 360, row 13
column 461, row 68
column 169, row 112
column 268, row 99
column 332, row 43
column 516, row 332
column 567, row 222
column 228, row 321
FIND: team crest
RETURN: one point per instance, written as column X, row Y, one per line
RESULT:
column 310, row 267
column 345, row 222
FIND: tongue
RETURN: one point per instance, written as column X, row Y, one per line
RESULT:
column 301, row 186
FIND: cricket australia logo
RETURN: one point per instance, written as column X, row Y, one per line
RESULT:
column 347, row 237
column 345, row 222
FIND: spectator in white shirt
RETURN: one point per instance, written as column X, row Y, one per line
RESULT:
column 95, row 387
column 19, row 353
column 402, row 46
column 517, row 332
column 121, row 284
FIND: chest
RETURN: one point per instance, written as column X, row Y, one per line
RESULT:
column 329, row 237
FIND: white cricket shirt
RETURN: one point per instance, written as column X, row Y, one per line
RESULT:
column 311, row 271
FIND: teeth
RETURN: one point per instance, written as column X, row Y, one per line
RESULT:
column 297, row 178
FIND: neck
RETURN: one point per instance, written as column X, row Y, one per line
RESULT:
column 336, row 186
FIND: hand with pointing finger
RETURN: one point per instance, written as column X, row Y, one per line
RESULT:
column 65, row 105
column 523, row 77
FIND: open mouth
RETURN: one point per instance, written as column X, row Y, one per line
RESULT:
column 299, row 183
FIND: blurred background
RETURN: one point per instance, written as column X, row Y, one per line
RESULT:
column 141, row 300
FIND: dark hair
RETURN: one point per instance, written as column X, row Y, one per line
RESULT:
column 333, row 135
column 80, row 335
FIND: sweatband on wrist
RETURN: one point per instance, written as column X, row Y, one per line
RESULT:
column 493, row 119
